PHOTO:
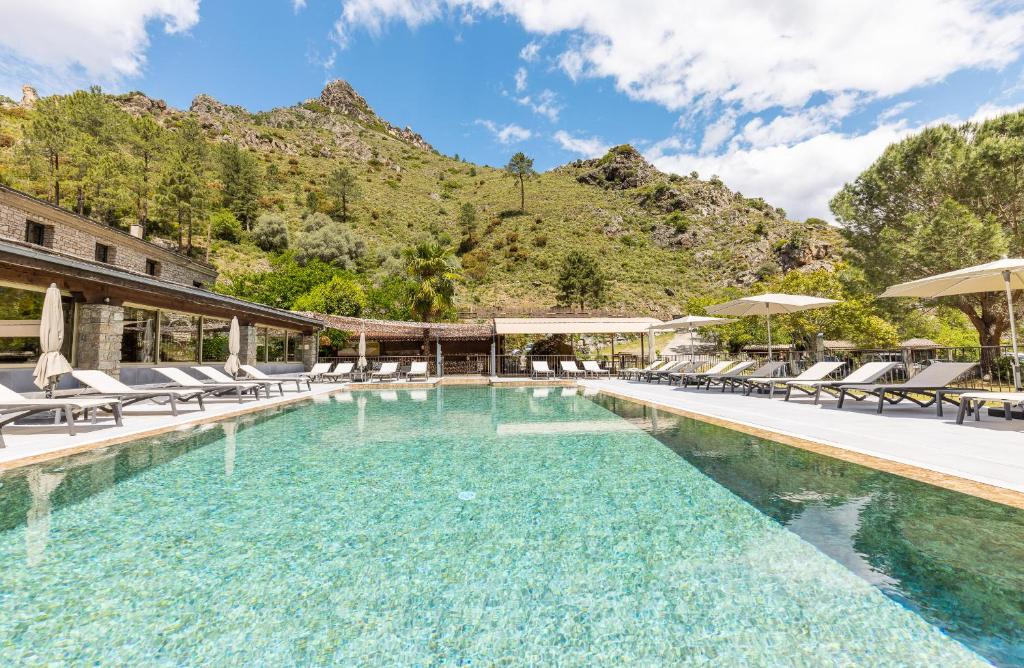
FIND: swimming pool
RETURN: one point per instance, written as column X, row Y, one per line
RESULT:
column 485, row 525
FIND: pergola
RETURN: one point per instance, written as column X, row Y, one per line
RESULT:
column 579, row 325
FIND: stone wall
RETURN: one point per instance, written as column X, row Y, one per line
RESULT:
column 70, row 234
column 98, row 344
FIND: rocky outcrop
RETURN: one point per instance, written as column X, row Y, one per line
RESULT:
column 340, row 98
column 807, row 256
column 620, row 168
column 137, row 104
column 29, row 97
column 408, row 136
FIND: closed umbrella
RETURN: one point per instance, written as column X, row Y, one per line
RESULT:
column 232, row 365
column 361, row 363
column 769, row 305
column 1003, row 275
column 51, row 363
column 688, row 323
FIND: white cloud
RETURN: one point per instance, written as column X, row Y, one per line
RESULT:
column 895, row 111
column 716, row 132
column 588, row 147
column 506, row 134
column 989, row 110
column 530, row 52
column 520, row 79
column 298, row 5
column 544, row 103
column 63, row 45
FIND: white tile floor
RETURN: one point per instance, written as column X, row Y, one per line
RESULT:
column 990, row 452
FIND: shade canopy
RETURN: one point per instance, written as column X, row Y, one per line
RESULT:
column 232, row 365
column 690, row 322
column 986, row 277
column 770, row 304
column 51, row 363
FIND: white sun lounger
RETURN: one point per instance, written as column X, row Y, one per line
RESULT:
column 540, row 368
column 971, row 402
column 341, row 370
column 715, row 369
column 387, row 371
column 569, row 368
column 178, row 376
column 867, row 373
column 815, row 372
column 14, row 406
column 218, row 376
column 299, row 378
column 108, row 386
column 417, row 370
column 593, row 368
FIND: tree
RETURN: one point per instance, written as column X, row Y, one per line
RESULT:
column 343, row 186
column 945, row 198
column 520, row 168
column 286, row 281
column 334, row 244
column 49, row 136
column 181, row 194
column 270, row 233
column 224, row 226
column 145, row 142
column 580, row 281
column 435, row 273
column 467, row 227
column 342, row 295
column 239, row 175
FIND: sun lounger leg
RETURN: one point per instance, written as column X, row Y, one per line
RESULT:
column 962, row 413
column 174, row 405
column 118, row 415
column 881, row 402
column 69, row 416
column 842, row 398
column 1007, row 414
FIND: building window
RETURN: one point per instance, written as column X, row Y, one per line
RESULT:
column 276, row 345
column 294, row 338
column 215, row 339
column 198, row 284
column 152, row 267
column 104, row 254
column 20, row 311
column 37, row 233
column 261, row 344
column 138, row 343
column 179, row 337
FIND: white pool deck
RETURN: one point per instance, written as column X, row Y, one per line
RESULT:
column 990, row 452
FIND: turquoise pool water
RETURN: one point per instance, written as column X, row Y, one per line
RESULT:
column 485, row 526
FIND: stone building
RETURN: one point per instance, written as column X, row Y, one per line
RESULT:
column 129, row 304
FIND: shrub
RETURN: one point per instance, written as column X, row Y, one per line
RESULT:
column 224, row 226
column 334, row 244
column 270, row 233
column 342, row 295
column 678, row 222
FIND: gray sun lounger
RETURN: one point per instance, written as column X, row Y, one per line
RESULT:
column 867, row 373
column 683, row 379
column 666, row 373
column 932, row 382
column 299, row 378
column 14, row 406
column 180, row 378
column 218, row 376
column 732, row 380
column 108, row 386
column 815, row 372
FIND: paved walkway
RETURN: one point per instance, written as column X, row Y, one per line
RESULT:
column 990, row 452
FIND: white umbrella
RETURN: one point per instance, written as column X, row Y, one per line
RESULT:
column 361, row 363
column 1002, row 275
column 769, row 305
column 51, row 363
column 688, row 322
column 232, row 365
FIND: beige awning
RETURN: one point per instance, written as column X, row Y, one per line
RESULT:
column 573, row 325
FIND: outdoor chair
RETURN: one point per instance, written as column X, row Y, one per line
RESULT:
column 108, row 386
column 342, row 370
column 387, row 371
column 683, row 378
column 569, row 368
column 299, row 378
column 220, row 377
column 14, row 406
column 932, row 383
column 181, row 379
column 716, row 371
column 417, row 370
column 665, row 373
column 815, row 372
column 867, row 373
column 972, row 402
column 593, row 368
column 540, row 368
column 734, row 379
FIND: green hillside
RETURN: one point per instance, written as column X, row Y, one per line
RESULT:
column 659, row 238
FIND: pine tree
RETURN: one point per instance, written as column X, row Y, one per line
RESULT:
column 580, row 281
column 343, row 186
column 521, row 168
column 49, row 137
column 181, row 191
column 145, row 142
column 239, row 175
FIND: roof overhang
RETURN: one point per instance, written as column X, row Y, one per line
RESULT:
column 94, row 281
column 573, row 325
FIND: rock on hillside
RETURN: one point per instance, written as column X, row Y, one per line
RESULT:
column 621, row 168
column 338, row 97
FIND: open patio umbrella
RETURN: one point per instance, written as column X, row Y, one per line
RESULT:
column 51, row 363
column 768, row 305
column 361, row 363
column 1002, row 275
column 232, row 365
column 689, row 322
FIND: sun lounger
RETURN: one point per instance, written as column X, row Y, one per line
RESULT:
column 342, row 370
column 971, row 402
column 318, row 370
column 541, row 369
column 815, row 372
column 178, row 376
column 684, row 378
column 729, row 368
column 14, row 406
column 299, row 378
column 932, row 382
column 734, row 379
column 569, row 368
column 867, row 373
column 594, row 369
column 417, row 370
column 108, row 386
column 387, row 371
column 663, row 374
column 219, row 376
column 632, row 371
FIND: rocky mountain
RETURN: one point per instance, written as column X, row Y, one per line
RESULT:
column 659, row 237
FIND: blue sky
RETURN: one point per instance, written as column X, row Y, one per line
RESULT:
column 782, row 100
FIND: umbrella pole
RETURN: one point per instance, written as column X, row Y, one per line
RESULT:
column 689, row 331
column 1013, row 331
column 768, row 319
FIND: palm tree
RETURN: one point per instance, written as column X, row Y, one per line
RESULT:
column 435, row 271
